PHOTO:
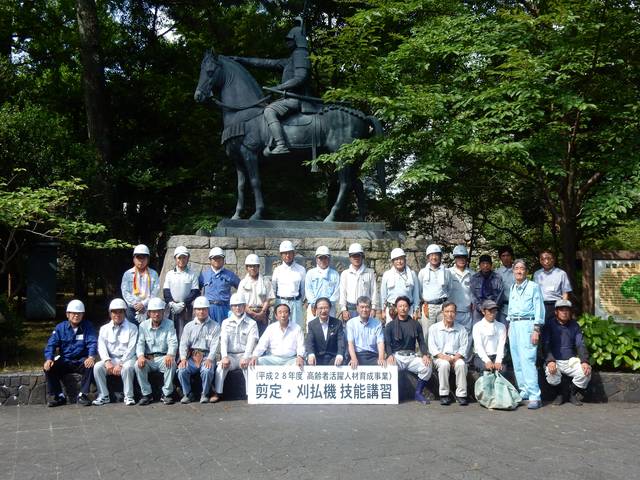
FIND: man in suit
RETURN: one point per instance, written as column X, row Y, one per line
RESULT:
column 325, row 340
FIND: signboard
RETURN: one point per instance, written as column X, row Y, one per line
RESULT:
column 320, row 385
column 617, row 289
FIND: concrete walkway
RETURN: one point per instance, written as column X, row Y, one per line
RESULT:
column 235, row 441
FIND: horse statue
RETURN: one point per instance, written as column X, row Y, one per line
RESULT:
column 245, row 133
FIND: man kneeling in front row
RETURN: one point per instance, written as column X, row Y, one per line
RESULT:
column 566, row 356
column 238, row 337
column 400, row 338
column 448, row 344
column 198, row 348
column 283, row 340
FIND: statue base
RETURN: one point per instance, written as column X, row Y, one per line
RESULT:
column 239, row 238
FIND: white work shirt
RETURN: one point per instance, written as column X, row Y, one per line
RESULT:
column 255, row 292
column 239, row 335
column 460, row 291
column 396, row 284
column 282, row 344
column 117, row 342
column 489, row 339
column 434, row 284
column 180, row 283
column 358, row 283
column 288, row 280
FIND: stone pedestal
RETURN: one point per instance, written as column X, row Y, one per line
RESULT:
column 239, row 238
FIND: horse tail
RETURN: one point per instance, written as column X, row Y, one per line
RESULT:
column 376, row 125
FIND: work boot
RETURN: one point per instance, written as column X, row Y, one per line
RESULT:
column 419, row 397
column 575, row 395
column 57, row 401
column 559, row 400
column 83, row 400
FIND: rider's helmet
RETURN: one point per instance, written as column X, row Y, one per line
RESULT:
column 297, row 35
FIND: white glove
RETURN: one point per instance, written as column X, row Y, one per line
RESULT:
column 179, row 307
column 173, row 307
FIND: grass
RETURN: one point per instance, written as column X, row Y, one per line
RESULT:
column 31, row 347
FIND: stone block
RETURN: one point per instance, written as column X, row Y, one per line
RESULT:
column 25, row 379
column 14, row 380
column 189, row 241
column 332, row 243
column 5, row 392
column 224, row 242
column 200, row 256
column 415, row 244
column 377, row 255
column 273, row 243
column 241, row 255
column 384, row 245
column 251, row 243
column 365, row 242
column 38, row 394
column 23, row 394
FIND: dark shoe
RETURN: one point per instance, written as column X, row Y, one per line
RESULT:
column 559, row 400
column 145, row 400
column 575, row 396
column 445, row 400
column 167, row 400
column 57, row 401
column 462, row 401
column 84, row 400
column 419, row 397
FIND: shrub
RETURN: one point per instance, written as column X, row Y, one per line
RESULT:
column 11, row 331
column 611, row 345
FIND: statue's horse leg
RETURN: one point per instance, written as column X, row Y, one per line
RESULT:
column 344, row 180
column 251, row 164
column 361, row 198
column 241, row 183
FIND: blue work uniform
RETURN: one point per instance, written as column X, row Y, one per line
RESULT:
column 216, row 286
column 72, row 347
column 526, row 309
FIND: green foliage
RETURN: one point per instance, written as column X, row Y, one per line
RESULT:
column 631, row 288
column 610, row 344
column 11, row 331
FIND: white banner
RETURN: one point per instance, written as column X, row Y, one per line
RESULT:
column 318, row 385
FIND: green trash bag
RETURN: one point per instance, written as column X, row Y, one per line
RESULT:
column 494, row 391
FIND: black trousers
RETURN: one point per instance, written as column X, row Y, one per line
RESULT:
column 326, row 359
column 61, row 368
column 367, row 358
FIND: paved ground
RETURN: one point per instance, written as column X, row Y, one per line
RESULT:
column 235, row 441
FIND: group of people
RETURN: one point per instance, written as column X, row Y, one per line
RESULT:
column 442, row 318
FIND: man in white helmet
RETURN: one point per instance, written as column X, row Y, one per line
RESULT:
column 399, row 281
column 156, row 351
column 198, row 349
column 256, row 290
column 435, row 285
column 216, row 283
column 238, row 339
column 357, row 281
column 117, row 348
column 139, row 284
column 460, row 292
column 72, row 348
column 180, row 289
column 322, row 281
column 287, row 283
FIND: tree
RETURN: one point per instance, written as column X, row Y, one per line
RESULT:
column 540, row 105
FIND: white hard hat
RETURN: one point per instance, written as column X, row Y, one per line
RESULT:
column 75, row 306
column 156, row 304
column 201, row 302
column 355, row 248
column 286, row 246
column 180, row 250
column 433, row 248
column 117, row 304
column 322, row 250
column 216, row 252
column 396, row 253
column 237, row 299
column 141, row 249
column 252, row 259
column 460, row 251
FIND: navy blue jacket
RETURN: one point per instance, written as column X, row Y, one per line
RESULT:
column 72, row 346
column 562, row 342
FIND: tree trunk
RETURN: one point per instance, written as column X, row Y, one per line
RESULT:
column 569, row 247
column 93, row 83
